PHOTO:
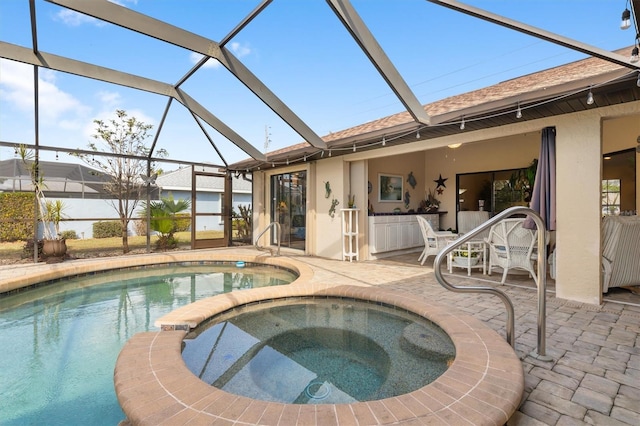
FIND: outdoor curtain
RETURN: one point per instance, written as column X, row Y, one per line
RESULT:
column 543, row 198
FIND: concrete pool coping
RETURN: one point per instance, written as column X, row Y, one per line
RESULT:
column 484, row 385
column 24, row 276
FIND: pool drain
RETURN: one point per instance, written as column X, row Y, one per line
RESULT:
column 317, row 390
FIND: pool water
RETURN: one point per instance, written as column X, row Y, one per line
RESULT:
column 317, row 351
column 60, row 341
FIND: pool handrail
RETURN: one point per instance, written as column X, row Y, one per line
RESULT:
column 542, row 275
column 278, row 231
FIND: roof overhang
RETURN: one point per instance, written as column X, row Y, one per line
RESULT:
column 609, row 88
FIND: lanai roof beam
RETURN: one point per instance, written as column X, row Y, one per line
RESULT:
column 71, row 66
column 126, row 18
column 539, row 33
column 367, row 42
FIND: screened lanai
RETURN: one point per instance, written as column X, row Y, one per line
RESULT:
column 63, row 180
column 273, row 114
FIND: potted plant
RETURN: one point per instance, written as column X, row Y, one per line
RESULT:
column 522, row 181
column 463, row 257
column 49, row 212
column 432, row 204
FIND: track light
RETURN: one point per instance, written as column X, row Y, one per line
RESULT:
column 462, row 124
column 519, row 111
column 626, row 19
column 384, row 141
column 354, row 147
column 634, row 55
column 418, row 134
column 590, row 98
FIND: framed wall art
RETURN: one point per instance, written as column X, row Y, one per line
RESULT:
column 390, row 188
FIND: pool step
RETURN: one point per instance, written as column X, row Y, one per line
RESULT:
column 426, row 343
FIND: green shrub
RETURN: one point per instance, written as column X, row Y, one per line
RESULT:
column 107, row 229
column 16, row 216
column 183, row 222
column 69, row 235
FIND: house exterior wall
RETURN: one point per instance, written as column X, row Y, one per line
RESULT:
column 505, row 152
column 77, row 208
column 400, row 165
column 580, row 137
column 328, row 238
column 209, row 201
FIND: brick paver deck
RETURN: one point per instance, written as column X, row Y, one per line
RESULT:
column 594, row 375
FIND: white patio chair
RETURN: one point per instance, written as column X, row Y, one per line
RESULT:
column 620, row 251
column 434, row 241
column 511, row 246
column 468, row 220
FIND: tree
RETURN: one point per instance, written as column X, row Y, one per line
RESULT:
column 124, row 137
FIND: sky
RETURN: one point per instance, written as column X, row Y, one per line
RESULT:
column 297, row 48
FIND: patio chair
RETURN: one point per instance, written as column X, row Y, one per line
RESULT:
column 468, row 220
column 434, row 241
column 511, row 246
column 620, row 252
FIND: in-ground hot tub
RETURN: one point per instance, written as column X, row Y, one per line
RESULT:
column 483, row 385
column 318, row 350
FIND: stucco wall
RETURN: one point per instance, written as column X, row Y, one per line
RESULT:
column 399, row 165
column 507, row 152
column 329, row 229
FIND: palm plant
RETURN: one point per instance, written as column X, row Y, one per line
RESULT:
column 163, row 219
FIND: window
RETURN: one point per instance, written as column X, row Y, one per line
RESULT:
column 619, row 182
column 610, row 197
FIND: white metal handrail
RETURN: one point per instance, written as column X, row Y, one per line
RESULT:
column 542, row 275
column 279, row 234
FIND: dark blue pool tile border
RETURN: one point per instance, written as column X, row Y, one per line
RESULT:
column 141, row 267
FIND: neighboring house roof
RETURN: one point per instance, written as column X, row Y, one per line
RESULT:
column 180, row 180
column 546, row 93
column 59, row 178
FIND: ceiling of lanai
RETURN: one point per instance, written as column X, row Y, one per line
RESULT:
column 143, row 33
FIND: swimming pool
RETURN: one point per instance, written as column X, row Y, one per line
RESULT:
column 64, row 338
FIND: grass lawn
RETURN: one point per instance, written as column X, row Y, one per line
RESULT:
column 92, row 247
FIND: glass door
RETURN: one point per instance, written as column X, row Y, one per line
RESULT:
column 211, row 215
column 289, row 208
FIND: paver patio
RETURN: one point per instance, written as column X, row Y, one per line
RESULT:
column 594, row 377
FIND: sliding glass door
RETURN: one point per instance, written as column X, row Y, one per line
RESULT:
column 289, row 208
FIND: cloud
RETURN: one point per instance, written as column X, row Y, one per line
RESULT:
column 55, row 105
column 75, row 19
column 238, row 50
column 194, row 58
